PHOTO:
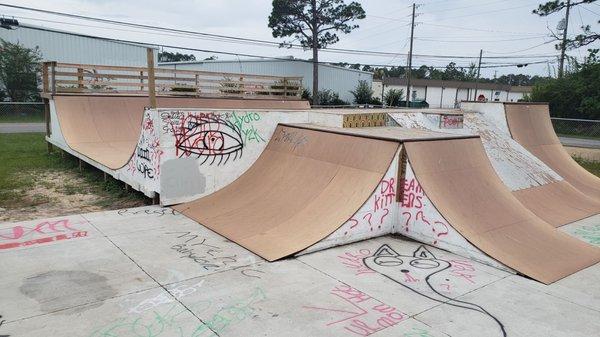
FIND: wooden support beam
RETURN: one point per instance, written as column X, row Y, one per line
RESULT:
column 151, row 83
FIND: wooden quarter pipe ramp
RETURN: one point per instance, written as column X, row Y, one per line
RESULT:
column 106, row 129
column 309, row 182
column 530, row 125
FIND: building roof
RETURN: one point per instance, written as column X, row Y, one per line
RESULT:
column 65, row 32
column 257, row 59
column 418, row 82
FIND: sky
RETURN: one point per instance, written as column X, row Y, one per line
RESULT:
column 501, row 28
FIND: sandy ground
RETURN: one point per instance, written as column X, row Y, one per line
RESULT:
column 57, row 193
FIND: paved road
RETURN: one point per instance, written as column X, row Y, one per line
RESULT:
column 580, row 142
column 22, row 127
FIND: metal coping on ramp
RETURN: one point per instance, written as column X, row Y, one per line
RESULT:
column 309, row 181
column 106, row 129
column 530, row 125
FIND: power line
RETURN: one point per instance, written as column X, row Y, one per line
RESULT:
column 480, row 29
column 329, row 63
column 483, row 12
column 479, row 41
column 232, row 39
column 521, row 50
column 464, row 7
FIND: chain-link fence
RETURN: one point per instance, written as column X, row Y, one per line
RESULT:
column 21, row 112
column 577, row 128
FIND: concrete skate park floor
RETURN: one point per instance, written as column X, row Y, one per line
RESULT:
column 152, row 272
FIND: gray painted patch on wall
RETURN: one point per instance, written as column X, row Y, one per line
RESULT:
column 181, row 178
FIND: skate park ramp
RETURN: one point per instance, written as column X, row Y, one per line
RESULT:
column 530, row 125
column 311, row 179
column 531, row 181
column 458, row 178
column 303, row 187
column 106, row 129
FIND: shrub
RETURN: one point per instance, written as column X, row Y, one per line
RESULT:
column 393, row 97
column 363, row 94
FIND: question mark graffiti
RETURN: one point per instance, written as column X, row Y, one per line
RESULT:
column 387, row 211
column 407, row 220
column 440, row 234
column 351, row 227
column 369, row 221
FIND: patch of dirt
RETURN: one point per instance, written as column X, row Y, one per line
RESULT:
column 59, row 193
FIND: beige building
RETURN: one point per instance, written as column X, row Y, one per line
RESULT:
column 447, row 94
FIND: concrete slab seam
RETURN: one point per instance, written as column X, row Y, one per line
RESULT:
column 153, row 279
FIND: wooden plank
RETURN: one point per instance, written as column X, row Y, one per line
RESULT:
column 151, row 83
column 80, row 77
column 45, row 77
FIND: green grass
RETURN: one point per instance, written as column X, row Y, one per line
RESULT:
column 24, row 157
column 22, row 119
column 592, row 166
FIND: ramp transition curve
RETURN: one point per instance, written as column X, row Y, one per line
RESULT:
column 106, row 129
column 303, row 187
column 308, row 182
column 457, row 176
column 530, row 125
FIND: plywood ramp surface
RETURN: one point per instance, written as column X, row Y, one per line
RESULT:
column 106, row 129
column 457, row 176
column 558, row 203
column 303, row 187
column 530, row 125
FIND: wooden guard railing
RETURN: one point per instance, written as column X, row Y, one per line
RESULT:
column 88, row 78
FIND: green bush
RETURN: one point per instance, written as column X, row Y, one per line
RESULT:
column 577, row 95
column 326, row 97
column 393, row 97
column 363, row 94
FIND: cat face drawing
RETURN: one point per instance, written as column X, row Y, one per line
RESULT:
column 418, row 273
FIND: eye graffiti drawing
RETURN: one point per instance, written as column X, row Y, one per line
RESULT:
column 209, row 137
column 410, row 271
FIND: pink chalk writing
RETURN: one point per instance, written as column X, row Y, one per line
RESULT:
column 364, row 316
column 463, row 269
column 355, row 261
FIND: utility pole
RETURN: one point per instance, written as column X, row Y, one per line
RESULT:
column 563, row 46
column 412, row 31
column 478, row 72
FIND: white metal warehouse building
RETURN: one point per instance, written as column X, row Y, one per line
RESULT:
column 67, row 47
column 338, row 79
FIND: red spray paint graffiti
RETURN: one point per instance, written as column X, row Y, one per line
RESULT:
column 384, row 197
column 413, row 201
column 61, row 230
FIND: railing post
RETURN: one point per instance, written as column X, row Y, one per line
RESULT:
column 45, row 85
column 141, row 80
column 197, row 88
column 151, row 83
column 80, row 77
column 53, row 77
column 285, row 87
